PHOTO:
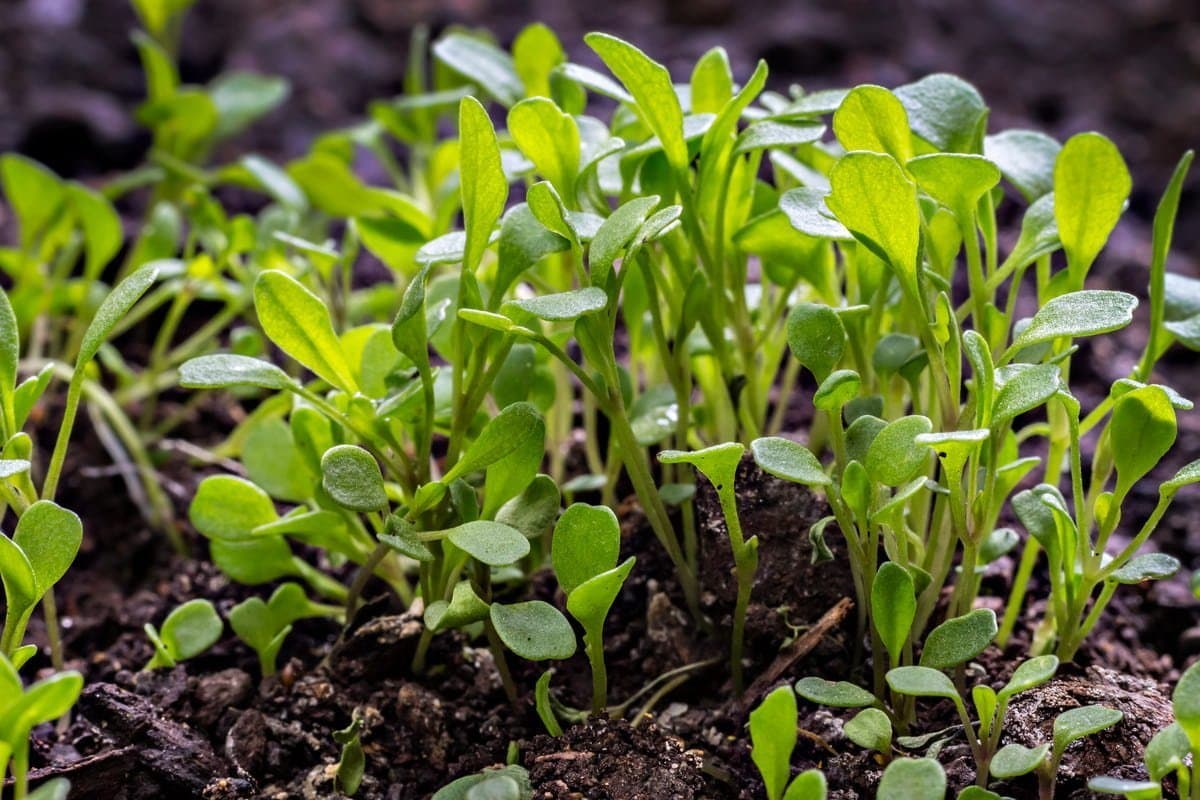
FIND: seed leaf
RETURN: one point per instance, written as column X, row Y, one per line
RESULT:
column 118, row 303
column 895, row 457
column 590, row 601
column 464, row 608
column 534, row 630
column 1147, row 567
column 718, row 463
column 1076, row 723
column 1085, row 313
column 1026, row 158
column 893, row 607
column 549, row 138
column 1024, row 388
column 808, row 785
column 650, row 85
column 945, row 111
column 956, row 181
column 1132, row 790
column 957, row 641
column 1185, row 701
column 1166, row 751
column 839, row 694
column 187, row 631
column 484, row 187
column 50, row 536
column 483, row 63
column 352, row 478
column 773, row 737
column 1030, row 674
column 1142, row 430
column 565, row 306
column 913, row 779
column 873, row 198
column 616, row 233
column 1091, row 185
column 298, row 322
column 870, row 729
column 506, row 432
column 921, row 682
column 1187, row 475
column 492, row 543
column 872, row 118
column 788, row 460
column 587, row 542
column 805, row 209
column 228, row 507
column 816, row 337
column 1014, row 760
column 222, row 370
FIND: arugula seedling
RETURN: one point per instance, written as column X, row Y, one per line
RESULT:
column 719, row 464
column 1014, row 760
column 188, row 631
column 21, row 710
column 265, row 626
column 772, row 739
column 352, row 764
column 584, row 551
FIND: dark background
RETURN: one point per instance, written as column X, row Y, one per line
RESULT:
column 69, row 77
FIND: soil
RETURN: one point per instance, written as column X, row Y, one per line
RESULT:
column 212, row 728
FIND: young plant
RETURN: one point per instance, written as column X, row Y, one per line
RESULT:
column 1171, row 752
column 772, row 739
column 352, row 764
column 21, row 710
column 719, row 464
column 495, row 783
column 584, row 551
column 187, row 632
column 265, row 625
column 1014, row 760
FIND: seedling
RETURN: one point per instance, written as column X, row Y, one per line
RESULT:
column 719, row 464
column 265, row 626
column 38, row 555
column 772, row 739
column 496, row 783
column 1168, row 751
column 585, row 550
column 1014, row 760
column 21, row 710
column 350, row 767
column 187, row 632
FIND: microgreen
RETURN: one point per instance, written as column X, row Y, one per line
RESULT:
column 187, row 632
column 24, row 709
column 772, row 739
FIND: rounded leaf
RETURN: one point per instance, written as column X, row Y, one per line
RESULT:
column 587, row 542
column 870, row 729
column 534, row 630
column 228, row 507
column 788, row 460
column 816, row 337
column 893, row 607
column 1147, row 567
column 895, row 457
column 912, row 779
column 352, row 478
column 50, row 536
column 957, row 641
column 837, row 694
column 1030, row 674
column 491, row 543
column 921, row 682
column 221, row 370
column 1077, row 723
column 1014, row 760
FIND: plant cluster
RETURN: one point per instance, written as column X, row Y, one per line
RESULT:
column 666, row 277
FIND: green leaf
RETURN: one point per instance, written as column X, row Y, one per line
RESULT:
column 922, row 682
column 1023, row 389
column 912, row 779
column 1026, row 159
column 1167, row 751
column 228, row 507
column 872, row 118
column 187, row 632
column 1091, row 185
column 464, row 608
column 491, row 543
column 503, row 434
column 590, row 601
column 1039, row 233
column 484, row 187
column 769, row 134
column 895, row 457
column 1085, row 313
column 807, row 212
column 1076, row 723
column 839, row 694
column 1185, row 701
column 400, row 535
column 550, row 139
column 837, row 390
column 50, row 536
column 788, row 460
column 534, row 510
column 816, row 337
column 1133, row 790
column 808, row 785
column 870, row 729
column 956, row 181
column 348, row 772
column 273, row 461
column 222, row 370
column 242, row 98
column 893, row 607
column 20, row 593
column 34, row 193
column 461, row 789
column 298, row 322
column 534, row 630
column 712, row 82
column 101, row 227
column 1029, row 674
column 718, row 463
column 945, row 111
column 1014, row 760
column 352, row 478
column 1147, row 567
column 54, row 789
column 565, row 306
column 587, row 542
column 483, row 63
column 1187, row 475
column 1141, row 431
column 615, row 234
column 650, row 85
column 874, row 199
column 536, row 52
column 772, row 739
column 957, row 641
column 114, row 308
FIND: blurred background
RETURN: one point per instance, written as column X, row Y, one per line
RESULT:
column 70, row 78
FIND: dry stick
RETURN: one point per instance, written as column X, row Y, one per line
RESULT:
column 798, row 649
